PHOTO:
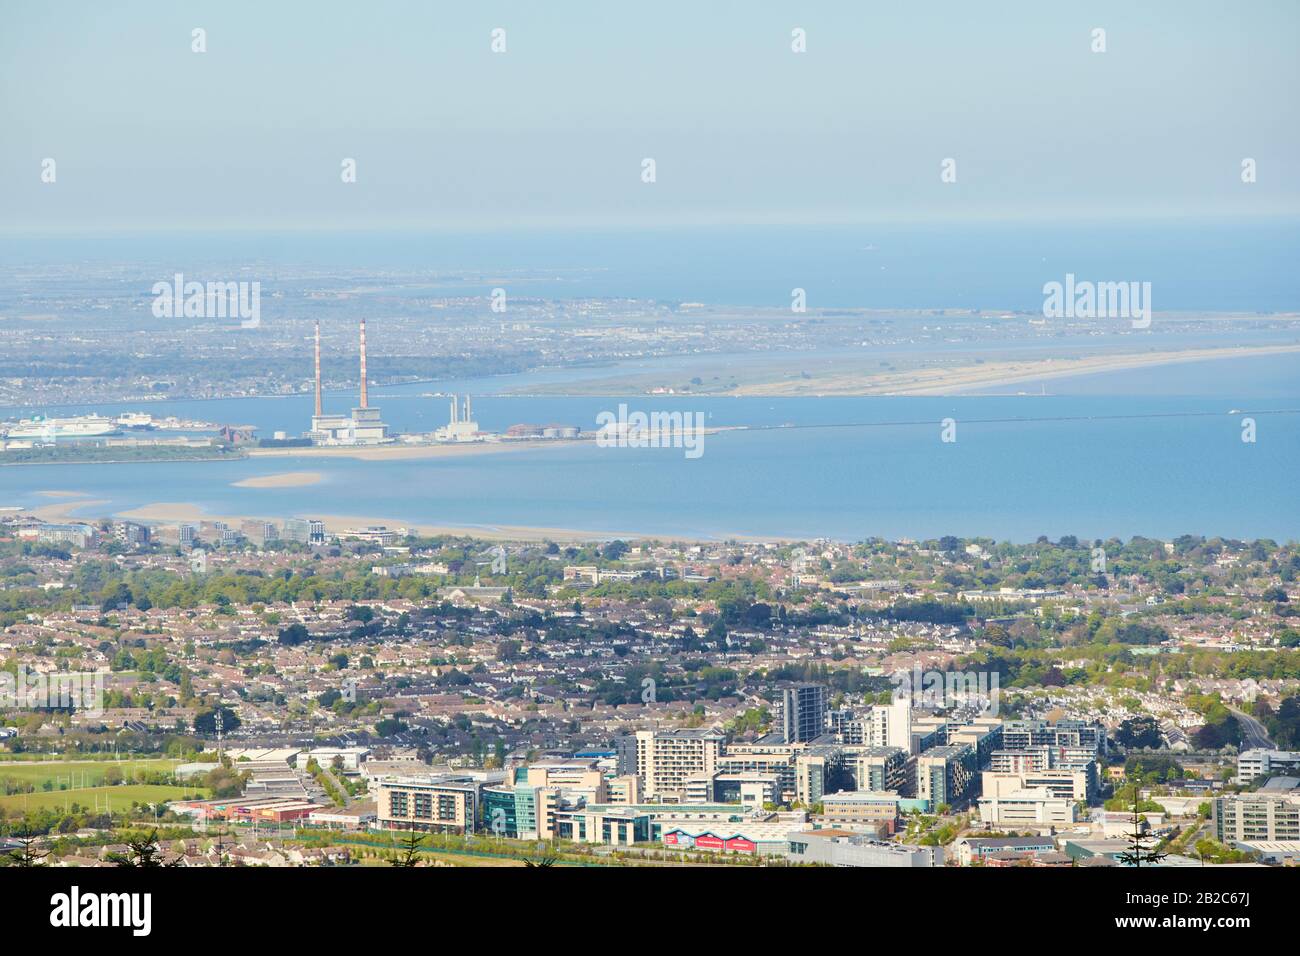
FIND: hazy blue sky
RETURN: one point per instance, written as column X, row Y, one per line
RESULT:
column 251, row 133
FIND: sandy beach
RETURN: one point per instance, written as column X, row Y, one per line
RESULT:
column 954, row 381
column 287, row 479
column 64, row 510
column 171, row 512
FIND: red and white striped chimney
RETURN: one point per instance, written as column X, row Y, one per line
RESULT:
column 363, row 364
column 318, row 407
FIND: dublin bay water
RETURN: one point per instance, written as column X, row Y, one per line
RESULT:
column 1157, row 452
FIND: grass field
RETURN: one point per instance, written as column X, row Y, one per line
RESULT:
column 78, row 773
column 113, row 798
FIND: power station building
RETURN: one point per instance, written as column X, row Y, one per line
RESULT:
column 461, row 426
column 363, row 426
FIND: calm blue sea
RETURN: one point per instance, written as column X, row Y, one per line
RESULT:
column 1155, row 452
column 1075, row 461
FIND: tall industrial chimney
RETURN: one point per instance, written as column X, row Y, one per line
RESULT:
column 318, row 407
column 363, row 364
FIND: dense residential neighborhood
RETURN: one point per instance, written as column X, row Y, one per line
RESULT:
column 914, row 703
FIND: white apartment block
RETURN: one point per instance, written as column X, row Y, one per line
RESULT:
column 667, row 759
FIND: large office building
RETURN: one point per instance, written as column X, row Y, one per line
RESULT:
column 1026, row 808
column 538, row 795
column 1270, row 815
column 1257, row 763
column 972, row 850
column 876, row 812
column 1079, row 786
column 845, row 848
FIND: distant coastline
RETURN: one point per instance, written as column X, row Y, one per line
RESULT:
column 784, row 378
column 956, row 381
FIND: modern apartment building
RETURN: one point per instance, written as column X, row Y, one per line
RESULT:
column 983, row 734
column 666, row 759
column 1043, row 757
column 846, row 726
column 946, row 775
column 428, row 803
column 1022, row 734
column 299, row 530
column 764, row 758
column 800, row 713
column 880, row 768
column 817, row 769
column 890, row 725
column 751, row 790
column 259, row 532
column 79, row 535
column 928, row 731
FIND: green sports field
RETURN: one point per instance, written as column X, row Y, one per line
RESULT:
column 77, row 773
column 115, row 799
